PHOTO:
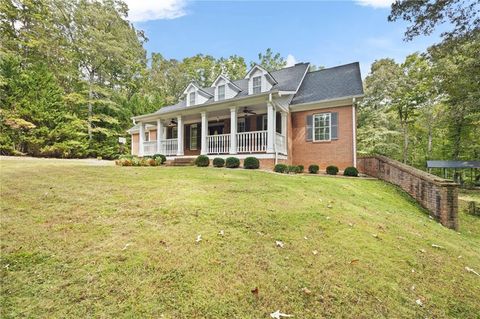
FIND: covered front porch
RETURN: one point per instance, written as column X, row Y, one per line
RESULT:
column 256, row 129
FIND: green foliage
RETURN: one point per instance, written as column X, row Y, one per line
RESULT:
column 270, row 61
column 350, row 171
column 301, row 168
column 218, row 162
column 160, row 158
column 232, row 162
column 332, row 170
column 313, row 169
column 202, row 161
column 281, row 168
column 136, row 161
column 293, row 169
column 251, row 163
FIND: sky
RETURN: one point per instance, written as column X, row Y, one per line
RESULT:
column 325, row 33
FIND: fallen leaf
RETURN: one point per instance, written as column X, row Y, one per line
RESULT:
column 199, row 238
column 315, row 252
column 279, row 243
column 306, row 291
column 329, row 206
column 354, row 261
column 423, row 251
column 472, row 271
column 306, row 238
column 437, row 246
column 221, row 233
column 126, row 246
column 277, row 315
column 419, row 302
column 255, row 291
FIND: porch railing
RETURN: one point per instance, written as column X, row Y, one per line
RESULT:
column 149, row 148
column 280, row 143
column 218, row 144
column 169, row 146
column 250, row 142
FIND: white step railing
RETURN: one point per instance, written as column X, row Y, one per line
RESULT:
column 149, row 148
column 280, row 143
column 251, row 142
column 218, row 144
column 169, row 147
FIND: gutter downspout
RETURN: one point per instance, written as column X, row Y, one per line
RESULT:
column 354, row 132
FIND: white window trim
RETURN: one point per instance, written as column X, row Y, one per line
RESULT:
column 190, row 98
column 241, row 120
column 191, row 139
column 253, row 84
column 224, row 92
column 264, row 122
column 329, row 127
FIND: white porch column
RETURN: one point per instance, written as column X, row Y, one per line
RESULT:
column 159, row 136
column 179, row 136
column 233, row 130
column 141, row 138
column 203, row 149
column 270, row 128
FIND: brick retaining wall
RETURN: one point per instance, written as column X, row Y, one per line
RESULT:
column 439, row 196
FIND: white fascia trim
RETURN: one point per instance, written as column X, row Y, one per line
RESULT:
column 343, row 101
column 228, row 81
column 303, row 78
column 198, row 89
column 265, row 73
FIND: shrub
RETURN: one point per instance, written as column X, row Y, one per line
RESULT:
column 202, row 161
column 218, row 162
column 232, row 162
column 350, row 171
column 292, row 169
column 136, row 161
column 160, row 158
column 332, row 170
column 281, row 168
column 151, row 162
column 251, row 163
column 301, row 168
column 313, row 169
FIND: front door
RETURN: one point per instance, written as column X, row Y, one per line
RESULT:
column 215, row 130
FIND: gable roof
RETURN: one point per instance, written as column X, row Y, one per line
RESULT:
column 206, row 91
column 329, row 84
column 227, row 81
column 267, row 74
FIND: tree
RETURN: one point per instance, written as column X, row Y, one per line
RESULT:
column 270, row 61
column 425, row 15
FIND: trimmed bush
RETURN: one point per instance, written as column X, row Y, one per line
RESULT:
column 332, row 170
column 350, row 171
column 313, row 169
column 281, row 168
column 202, row 161
column 218, row 162
column 232, row 162
column 292, row 169
column 251, row 163
column 160, row 158
column 301, row 168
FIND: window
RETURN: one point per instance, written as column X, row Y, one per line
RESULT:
column 174, row 132
column 193, row 136
column 192, row 98
column 221, row 92
column 264, row 122
column 147, row 136
column 241, row 125
column 321, row 127
column 257, row 84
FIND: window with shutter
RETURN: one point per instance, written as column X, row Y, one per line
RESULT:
column 334, row 124
column 308, row 128
column 322, row 127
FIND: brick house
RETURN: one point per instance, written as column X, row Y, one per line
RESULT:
column 290, row 115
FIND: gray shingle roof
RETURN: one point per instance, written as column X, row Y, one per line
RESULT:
column 327, row 84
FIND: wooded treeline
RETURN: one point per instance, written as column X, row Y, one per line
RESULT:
column 73, row 73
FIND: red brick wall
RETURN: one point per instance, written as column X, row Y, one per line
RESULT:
column 336, row 152
column 437, row 195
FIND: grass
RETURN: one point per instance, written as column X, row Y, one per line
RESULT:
column 102, row 241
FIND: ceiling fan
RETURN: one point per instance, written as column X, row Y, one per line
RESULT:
column 172, row 123
column 247, row 111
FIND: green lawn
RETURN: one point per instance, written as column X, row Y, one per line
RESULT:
column 81, row 240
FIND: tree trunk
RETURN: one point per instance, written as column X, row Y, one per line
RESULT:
column 405, row 143
column 429, row 145
column 90, row 107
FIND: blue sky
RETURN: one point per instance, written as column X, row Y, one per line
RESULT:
column 325, row 33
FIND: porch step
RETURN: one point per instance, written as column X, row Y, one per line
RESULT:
column 183, row 161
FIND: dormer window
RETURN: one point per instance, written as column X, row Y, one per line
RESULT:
column 221, row 92
column 257, row 84
column 191, row 98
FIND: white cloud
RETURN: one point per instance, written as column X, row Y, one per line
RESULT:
column 291, row 60
column 145, row 10
column 375, row 3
